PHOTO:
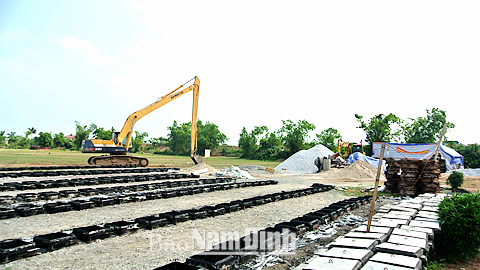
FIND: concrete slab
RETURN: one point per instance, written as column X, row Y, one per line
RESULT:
column 435, row 226
column 427, row 214
column 348, row 253
column 397, row 260
column 390, row 223
column 354, row 243
column 373, row 229
column 382, row 266
column 430, row 208
column 426, row 219
column 403, row 209
column 411, row 251
column 410, row 233
column 409, row 241
column 327, row 263
column 416, row 206
column 380, row 237
column 428, row 231
column 398, row 215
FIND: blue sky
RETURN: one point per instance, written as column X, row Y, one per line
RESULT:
column 259, row 62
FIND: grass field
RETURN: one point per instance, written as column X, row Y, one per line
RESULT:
column 23, row 157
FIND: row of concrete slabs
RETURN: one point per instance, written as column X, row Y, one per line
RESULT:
column 400, row 238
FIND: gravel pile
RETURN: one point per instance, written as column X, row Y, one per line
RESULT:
column 303, row 160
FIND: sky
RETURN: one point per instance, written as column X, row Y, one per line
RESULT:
column 259, row 62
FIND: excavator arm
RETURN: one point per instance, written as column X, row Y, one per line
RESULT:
column 127, row 131
column 194, row 132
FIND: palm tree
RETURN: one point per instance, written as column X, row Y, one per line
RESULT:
column 11, row 136
column 30, row 131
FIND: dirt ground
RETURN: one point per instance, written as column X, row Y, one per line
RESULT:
column 470, row 183
column 141, row 250
column 473, row 264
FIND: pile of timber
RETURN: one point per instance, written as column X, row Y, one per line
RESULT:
column 402, row 175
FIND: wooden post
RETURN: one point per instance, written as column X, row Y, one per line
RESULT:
column 377, row 180
column 440, row 142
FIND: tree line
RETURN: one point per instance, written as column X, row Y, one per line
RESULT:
column 177, row 142
column 43, row 139
column 259, row 143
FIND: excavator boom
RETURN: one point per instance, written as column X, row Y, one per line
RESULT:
column 119, row 146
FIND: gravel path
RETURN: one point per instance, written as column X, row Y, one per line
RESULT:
column 140, row 250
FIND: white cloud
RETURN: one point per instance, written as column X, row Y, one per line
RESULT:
column 94, row 53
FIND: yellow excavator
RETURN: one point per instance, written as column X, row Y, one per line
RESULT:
column 350, row 148
column 120, row 144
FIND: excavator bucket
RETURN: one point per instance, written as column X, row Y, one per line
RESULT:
column 196, row 158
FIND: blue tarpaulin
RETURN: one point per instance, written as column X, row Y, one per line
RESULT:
column 453, row 159
column 373, row 161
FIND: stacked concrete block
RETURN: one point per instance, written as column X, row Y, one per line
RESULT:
column 400, row 238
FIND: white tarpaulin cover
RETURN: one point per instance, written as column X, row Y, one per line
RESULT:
column 452, row 158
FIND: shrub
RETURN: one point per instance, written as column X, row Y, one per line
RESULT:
column 455, row 179
column 460, row 223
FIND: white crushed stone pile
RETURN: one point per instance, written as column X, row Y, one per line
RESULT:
column 303, row 160
column 235, row 172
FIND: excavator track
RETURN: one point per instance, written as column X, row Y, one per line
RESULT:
column 118, row 160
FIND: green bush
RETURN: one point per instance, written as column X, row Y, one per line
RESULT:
column 455, row 179
column 460, row 223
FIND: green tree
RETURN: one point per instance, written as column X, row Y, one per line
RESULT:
column 12, row 137
column 2, row 138
column 294, row 136
column 82, row 133
column 22, row 142
column 15, row 141
column 329, row 138
column 426, row 129
column 44, row 139
column 179, row 138
column 455, row 179
column 157, row 143
column 102, row 134
column 470, row 153
column 138, row 142
column 270, row 147
column 30, row 131
column 248, row 140
column 379, row 127
column 59, row 140
column 209, row 136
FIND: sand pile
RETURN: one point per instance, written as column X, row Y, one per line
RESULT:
column 201, row 168
column 357, row 170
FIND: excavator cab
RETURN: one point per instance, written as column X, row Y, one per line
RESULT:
column 357, row 148
column 115, row 136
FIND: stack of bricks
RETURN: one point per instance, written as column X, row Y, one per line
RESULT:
column 402, row 177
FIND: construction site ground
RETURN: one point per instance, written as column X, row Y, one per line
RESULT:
column 143, row 250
